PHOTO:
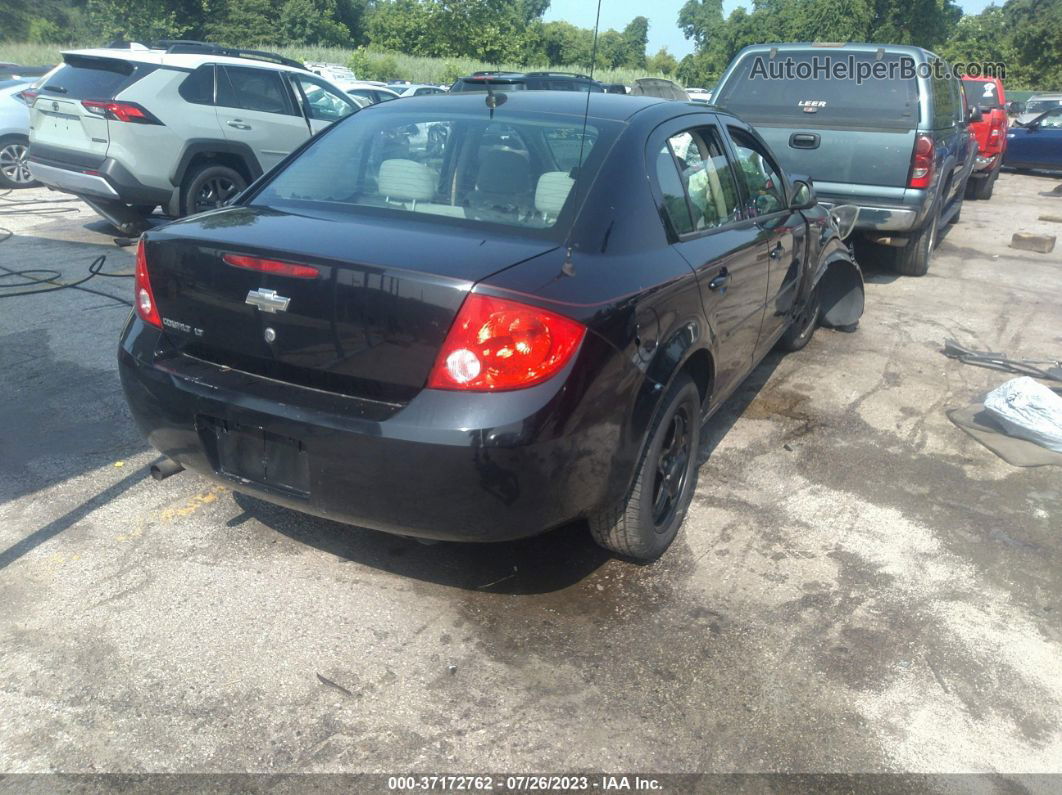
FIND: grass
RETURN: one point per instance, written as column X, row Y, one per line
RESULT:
column 368, row 64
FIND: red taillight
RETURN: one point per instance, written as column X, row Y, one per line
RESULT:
column 27, row 96
column 921, row 163
column 495, row 344
column 144, row 298
column 119, row 111
column 271, row 266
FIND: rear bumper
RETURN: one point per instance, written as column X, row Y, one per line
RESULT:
column 877, row 218
column 92, row 176
column 73, row 181
column 985, row 164
column 467, row 467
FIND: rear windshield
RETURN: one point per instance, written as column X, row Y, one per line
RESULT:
column 981, row 93
column 513, row 170
column 93, row 78
column 1041, row 105
column 754, row 92
column 481, row 85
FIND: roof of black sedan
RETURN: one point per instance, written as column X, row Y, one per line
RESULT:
column 615, row 107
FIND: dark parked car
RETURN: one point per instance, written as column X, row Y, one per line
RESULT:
column 526, row 81
column 897, row 145
column 453, row 338
column 1037, row 144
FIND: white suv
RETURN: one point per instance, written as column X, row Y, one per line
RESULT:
column 185, row 125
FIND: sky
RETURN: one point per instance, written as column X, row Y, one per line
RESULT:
column 663, row 16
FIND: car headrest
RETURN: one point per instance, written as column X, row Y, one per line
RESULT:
column 406, row 180
column 504, row 172
column 552, row 191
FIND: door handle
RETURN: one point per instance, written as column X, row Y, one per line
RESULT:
column 722, row 279
column 238, row 124
column 776, row 252
column 804, row 141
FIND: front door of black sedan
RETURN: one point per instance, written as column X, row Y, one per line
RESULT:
column 766, row 201
column 702, row 202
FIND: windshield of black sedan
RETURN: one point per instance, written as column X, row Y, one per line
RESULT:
column 514, row 170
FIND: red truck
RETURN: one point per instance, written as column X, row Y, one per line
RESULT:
column 987, row 94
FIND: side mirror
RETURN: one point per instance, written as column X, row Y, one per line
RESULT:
column 1015, row 107
column 974, row 115
column 802, row 194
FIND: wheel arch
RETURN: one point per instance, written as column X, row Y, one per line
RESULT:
column 234, row 154
column 839, row 280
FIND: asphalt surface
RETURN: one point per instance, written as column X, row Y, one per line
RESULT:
column 859, row 586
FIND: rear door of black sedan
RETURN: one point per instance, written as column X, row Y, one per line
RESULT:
column 705, row 207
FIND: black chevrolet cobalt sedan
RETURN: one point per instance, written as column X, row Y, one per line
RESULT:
column 479, row 317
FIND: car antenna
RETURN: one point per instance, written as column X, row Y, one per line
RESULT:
column 568, row 267
column 494, row 100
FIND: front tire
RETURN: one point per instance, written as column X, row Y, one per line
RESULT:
column 643, row 525
column 802, row 329
column 913, row 259
column 14, row 163
column 209, row 187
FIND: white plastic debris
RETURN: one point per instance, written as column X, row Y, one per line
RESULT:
column 1028, row 410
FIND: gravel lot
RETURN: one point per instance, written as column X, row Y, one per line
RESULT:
column 859, row 585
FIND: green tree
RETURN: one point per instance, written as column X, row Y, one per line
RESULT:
column 564, row 43
column 144, row 21
column 245, row 22
column 44, row 31
column 1036, row 38
column 635, row 40
column 663, row 62
column 311, row 22
column 980, row 37
column 352, row 14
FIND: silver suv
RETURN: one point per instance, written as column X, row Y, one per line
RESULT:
column 185, row 125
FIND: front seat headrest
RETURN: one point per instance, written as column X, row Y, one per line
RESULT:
column 406, row 180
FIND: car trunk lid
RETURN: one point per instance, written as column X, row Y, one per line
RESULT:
column 368, row 323
column 843, row 155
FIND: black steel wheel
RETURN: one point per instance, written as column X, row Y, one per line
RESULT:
column 643, row 525
column 210, row 187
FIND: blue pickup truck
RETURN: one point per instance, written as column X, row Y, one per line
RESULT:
column 883, row 127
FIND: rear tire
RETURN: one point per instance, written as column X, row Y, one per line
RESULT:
column 913, row 259
column 208, row 187
column 981, row 189
column 643, row 525
column 14, row 166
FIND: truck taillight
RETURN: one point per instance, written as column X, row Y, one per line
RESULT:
column 921, row 163
column 119, row 111
column 143, row 298
column 495, row 344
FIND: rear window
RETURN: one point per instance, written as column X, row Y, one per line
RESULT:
column 822, row 99
column 481, row 85
column 93, row 78
column 514, row 170
column 1041, row 105
column 981, row 93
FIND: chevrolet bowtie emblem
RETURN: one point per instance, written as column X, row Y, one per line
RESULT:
column 268, row 300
